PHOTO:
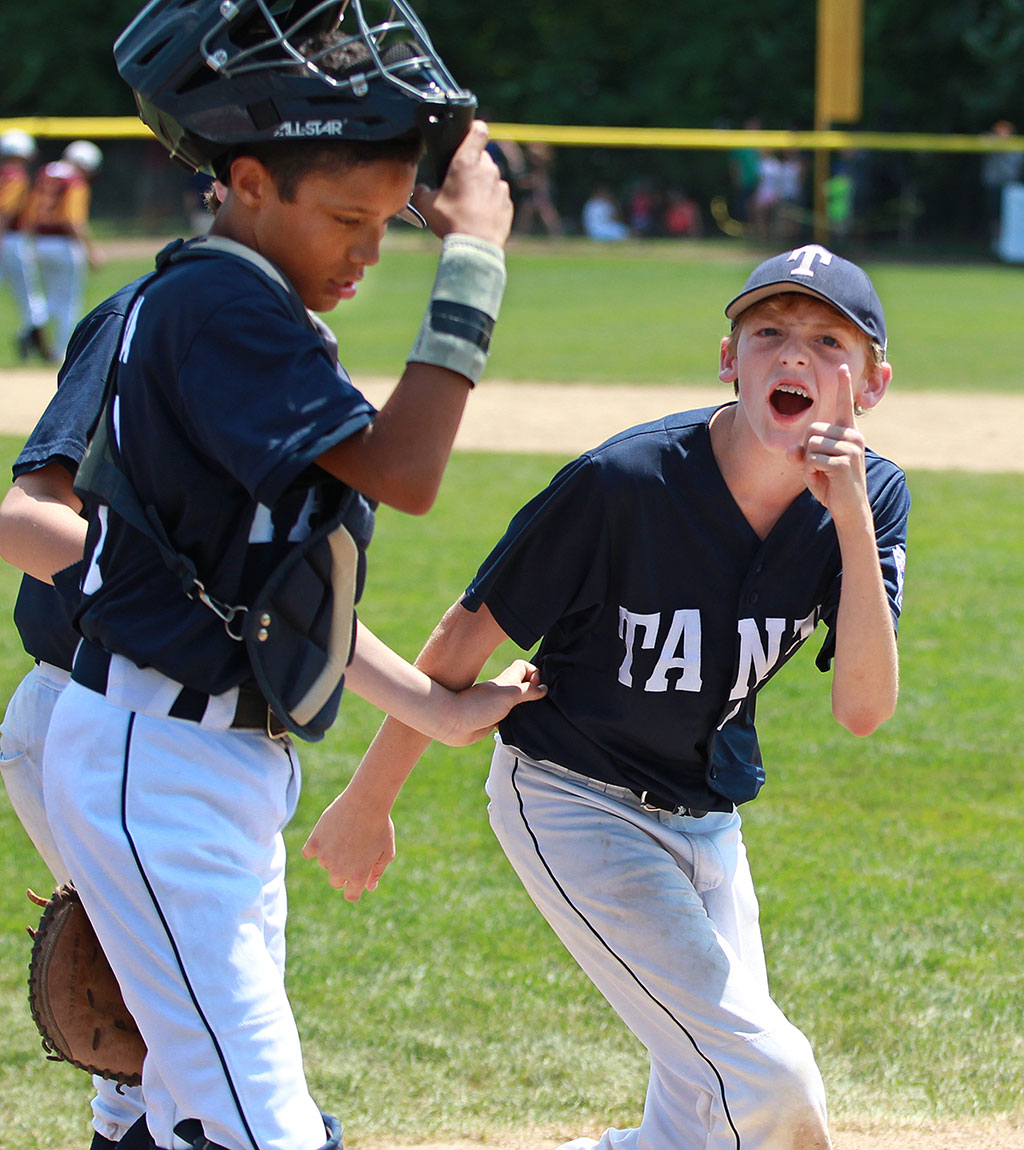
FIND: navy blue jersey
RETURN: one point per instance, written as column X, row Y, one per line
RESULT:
column 661, row 612
column 225, row 399
column 42, row 614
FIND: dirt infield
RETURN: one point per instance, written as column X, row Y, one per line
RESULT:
column 967, row 432
column 982, row 1135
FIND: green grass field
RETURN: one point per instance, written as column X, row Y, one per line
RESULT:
column 652, row 313
column 890, row 870
column 890, row 873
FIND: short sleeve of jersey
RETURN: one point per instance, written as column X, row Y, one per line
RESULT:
column 525, row 584
column 62, row 433
column 76, row 203
column 42, row 614
column 890, row 508
column 253, row 389
column 13, row 189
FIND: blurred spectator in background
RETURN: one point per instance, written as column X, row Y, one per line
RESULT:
column 682, row 215
column 601, row 216
column 765, row 206
column 792, row 173
column 535, row 185
column 839, row 190
column 197, row 208
column 645, row 209
column 57, row 216
column 743, row 171
column 17, row 255
column 509, row 157
column 997, row 170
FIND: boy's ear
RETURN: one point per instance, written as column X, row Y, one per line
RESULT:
column 250, row 181
column 727, row 371
column 875, row 385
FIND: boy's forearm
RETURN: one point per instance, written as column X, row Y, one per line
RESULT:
column 388, row 762
column 383, row 678
column 400, row 458
column 865, row 682
column 453, row 658
column 353, row 839
column 41, row 531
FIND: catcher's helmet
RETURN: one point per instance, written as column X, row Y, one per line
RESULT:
column 209, row 75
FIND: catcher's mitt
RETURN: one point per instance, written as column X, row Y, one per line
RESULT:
column 74, row 996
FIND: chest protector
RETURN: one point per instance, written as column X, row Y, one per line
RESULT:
column 299, row 629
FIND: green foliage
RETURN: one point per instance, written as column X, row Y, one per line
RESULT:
column 609, row 63
column 889, row 870
column 57, row 58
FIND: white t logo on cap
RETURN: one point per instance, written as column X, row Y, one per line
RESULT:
column 807, row 255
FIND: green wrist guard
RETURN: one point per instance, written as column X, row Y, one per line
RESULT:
column 456, row 331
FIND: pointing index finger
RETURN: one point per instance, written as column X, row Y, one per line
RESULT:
column 845, row 415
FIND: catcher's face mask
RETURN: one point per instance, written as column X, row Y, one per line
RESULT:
column 211, row 75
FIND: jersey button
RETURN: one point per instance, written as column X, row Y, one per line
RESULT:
column 753, row 597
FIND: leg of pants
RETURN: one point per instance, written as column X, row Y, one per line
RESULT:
column 172, row 834
column 659, row 911
column 22, row 741
column 18, row 269
column 62, row 263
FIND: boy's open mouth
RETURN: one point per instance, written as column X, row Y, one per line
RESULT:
column 789, row 399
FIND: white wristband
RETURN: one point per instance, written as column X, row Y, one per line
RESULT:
column 456, row 330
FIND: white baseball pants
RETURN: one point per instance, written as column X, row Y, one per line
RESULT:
column 659, row 910
column 22, row 740
column 172, row 834
column 63, row 264
column 18, row 269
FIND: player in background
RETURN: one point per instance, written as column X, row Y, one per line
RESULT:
column 41, row 527
column 668, row 574
column 57, row 218
column 165, row 782
column 17, row 255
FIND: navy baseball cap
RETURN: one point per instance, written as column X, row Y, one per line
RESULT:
column 814, row 270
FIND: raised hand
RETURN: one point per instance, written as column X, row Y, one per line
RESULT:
column 473, row 199
column 832, row 457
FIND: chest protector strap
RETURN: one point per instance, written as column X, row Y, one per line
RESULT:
column 299, row 630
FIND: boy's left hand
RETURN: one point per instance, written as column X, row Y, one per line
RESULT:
column 832, row 458
column 478, row 709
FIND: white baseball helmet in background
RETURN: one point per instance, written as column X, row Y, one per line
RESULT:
column 15, row 142
column 83, row 154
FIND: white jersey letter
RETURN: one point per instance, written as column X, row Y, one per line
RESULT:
column 628, row 623
column 754, row 656
column 685, row 625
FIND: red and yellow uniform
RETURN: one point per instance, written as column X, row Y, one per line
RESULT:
column 58, row 204
column 14, row 188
